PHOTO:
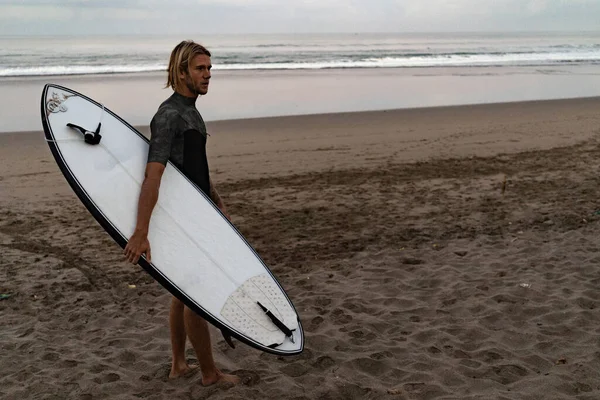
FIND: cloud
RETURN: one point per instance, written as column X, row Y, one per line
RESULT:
column 537, row 6
column 243, row 16
column 29, row 13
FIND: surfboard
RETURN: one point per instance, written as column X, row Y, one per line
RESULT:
column 197, row 253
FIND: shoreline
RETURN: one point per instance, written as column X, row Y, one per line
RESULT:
column 256, row 94
column 417, row 71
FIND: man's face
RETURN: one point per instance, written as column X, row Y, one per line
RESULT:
column 198, row 74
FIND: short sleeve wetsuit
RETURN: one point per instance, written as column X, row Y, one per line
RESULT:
column 178, row 134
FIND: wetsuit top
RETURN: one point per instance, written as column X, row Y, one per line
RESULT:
column 178, row 134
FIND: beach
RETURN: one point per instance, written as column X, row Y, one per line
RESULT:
column 431, row 253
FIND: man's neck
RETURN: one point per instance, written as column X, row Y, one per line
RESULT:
column 187, row 93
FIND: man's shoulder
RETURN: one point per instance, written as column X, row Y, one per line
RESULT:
column 166, row 113
column 167, row 107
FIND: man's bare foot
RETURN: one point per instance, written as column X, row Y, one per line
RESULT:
column 181, row 370
column 219, row 377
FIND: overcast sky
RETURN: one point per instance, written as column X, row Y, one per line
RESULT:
column 58, row 17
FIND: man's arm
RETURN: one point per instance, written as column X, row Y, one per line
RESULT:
column 138, row 243
column 162, row 128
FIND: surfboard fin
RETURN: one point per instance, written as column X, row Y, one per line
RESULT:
column 88, row 136
column 227, row 338
column 277, row 322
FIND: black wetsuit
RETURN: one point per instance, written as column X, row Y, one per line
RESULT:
column 178, row 134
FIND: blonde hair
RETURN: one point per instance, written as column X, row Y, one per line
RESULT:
column 179, row 62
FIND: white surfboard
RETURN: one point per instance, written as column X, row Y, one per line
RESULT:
column 197, row 254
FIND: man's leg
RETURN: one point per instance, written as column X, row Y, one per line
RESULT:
column 197, row 330
column 178, row 337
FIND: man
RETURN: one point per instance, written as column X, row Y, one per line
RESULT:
column 179, row 135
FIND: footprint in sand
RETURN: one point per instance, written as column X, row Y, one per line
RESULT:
column 381, row 355
column 506, row 374
column 339, row 317
column 108, row 378
column 323, row 363
column 51, row 357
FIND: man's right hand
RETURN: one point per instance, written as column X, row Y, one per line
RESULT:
column 138, row 245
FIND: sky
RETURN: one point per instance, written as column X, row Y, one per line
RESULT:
column 93, row 17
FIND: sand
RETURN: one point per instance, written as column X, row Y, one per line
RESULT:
column 440, row 253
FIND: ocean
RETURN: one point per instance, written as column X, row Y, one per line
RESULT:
column 273, row 75
column 43, row 56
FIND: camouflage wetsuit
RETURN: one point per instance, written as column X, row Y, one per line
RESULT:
column 178, row 134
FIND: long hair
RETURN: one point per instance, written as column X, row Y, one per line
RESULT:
column 179, row 62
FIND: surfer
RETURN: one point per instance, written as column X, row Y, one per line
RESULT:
column 178, row 134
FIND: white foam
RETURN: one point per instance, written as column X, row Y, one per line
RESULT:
column 79, row 70
column 589, row 56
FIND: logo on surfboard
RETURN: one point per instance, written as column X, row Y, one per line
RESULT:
column 55, row 103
